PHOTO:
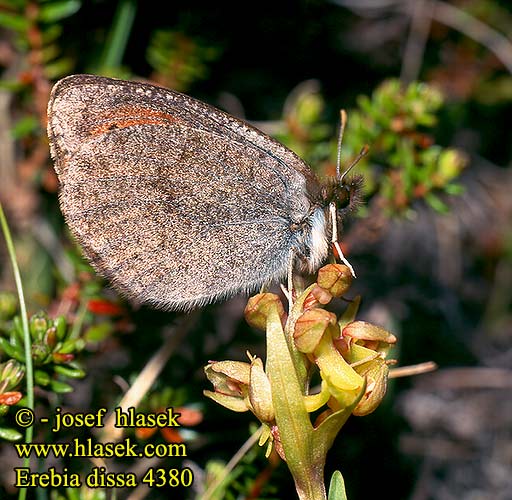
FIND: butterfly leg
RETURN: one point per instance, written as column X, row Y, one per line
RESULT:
column 335, row 243
column 288, row 291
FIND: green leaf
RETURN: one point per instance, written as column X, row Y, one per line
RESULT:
column 4, row 409
column 50, row 52
column 337, row 487
column 51, row 33
column 54, row 11
column 60, row 324
column 11, row 85
column 25, row 126
column 10, row 434
column 69, row 372
column 17, row 333
column 71, row 346
column 98, row 332
column 436, row 203
column 60, row 387
column 118, row 36
column 14, row 21
column 11, row 351
column 41, row 378
column 8, row 306
column 454, row 189
column 365, row 104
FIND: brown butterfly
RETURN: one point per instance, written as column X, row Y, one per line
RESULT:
column 178, row 203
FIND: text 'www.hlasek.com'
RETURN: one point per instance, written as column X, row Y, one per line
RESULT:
column 99, row 476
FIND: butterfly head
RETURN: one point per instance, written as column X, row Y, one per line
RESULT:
column 344, row 193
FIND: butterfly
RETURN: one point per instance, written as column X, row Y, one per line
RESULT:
column 180, row 204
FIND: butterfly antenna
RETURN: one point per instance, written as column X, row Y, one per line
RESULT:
column 343, row 123
column 355, row 161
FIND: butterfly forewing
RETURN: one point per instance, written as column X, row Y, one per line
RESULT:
column 173, row 200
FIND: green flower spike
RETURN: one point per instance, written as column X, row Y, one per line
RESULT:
column 347, row 354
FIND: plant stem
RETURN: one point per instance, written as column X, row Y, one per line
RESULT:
column 295, row 429
column 29, row 375
column 115, row 46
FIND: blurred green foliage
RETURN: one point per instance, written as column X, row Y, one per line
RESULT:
column 403, row 163
column 35, row 27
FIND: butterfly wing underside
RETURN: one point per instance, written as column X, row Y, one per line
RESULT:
column 176, row 202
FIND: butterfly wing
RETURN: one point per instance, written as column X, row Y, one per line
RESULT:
column 174, row 201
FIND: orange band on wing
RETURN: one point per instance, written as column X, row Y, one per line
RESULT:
column 128, row 117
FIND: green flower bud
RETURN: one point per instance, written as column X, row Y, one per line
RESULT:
column 11, row 373
column 230, row 381
column 311, row 327
column 260, row 394
column 335, row 278
column 38, row 324
column 361, row 330
column 258, row 308
column 50, row 337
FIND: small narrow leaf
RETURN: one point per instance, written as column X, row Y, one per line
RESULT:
column 337, row 487
column 10, row 434
column 60, row 387
column 13, row 21
column 55, row 11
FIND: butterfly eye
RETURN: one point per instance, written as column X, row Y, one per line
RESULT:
column 344, row 196
column 348, row 194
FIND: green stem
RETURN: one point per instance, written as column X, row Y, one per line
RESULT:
column 117, row 39
column 295, row 430
column 29, row 376
column 79, row 321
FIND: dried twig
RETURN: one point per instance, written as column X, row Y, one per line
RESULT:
column 472, row 27
column 147, row 377
column 421, row 21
